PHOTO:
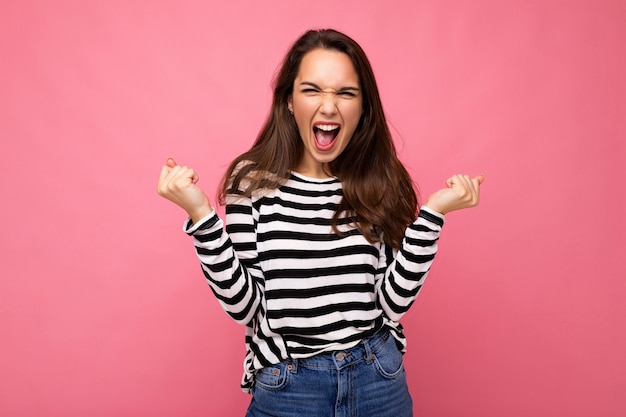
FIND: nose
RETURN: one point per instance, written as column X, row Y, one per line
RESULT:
column 328, row 105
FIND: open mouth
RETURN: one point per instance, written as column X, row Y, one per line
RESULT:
column 325, row 135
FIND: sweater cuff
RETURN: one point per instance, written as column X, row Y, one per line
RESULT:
column 431, row 215
column 204, row 223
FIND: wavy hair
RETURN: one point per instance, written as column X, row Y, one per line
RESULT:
column 378, row 192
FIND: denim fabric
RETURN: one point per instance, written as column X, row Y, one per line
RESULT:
column 367, row 380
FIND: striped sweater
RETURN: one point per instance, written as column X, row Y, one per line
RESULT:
column 299, row 288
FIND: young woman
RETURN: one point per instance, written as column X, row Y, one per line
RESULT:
column 324, row 249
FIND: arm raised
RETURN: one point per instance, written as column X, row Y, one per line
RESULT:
column 178, row 184
column 461, row 192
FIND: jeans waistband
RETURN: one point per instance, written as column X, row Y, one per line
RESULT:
column 338, row 359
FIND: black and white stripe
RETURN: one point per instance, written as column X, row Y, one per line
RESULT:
column 300, row 288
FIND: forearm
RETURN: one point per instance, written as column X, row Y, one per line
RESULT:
column 407, row 272
column 234, row 287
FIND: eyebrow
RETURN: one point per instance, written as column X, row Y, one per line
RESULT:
column 320, row 88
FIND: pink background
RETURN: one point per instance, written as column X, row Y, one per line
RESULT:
column 103, row 309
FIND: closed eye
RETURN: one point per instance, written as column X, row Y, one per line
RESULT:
column 312, row 88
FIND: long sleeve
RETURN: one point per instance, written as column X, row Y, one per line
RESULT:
column 230, row 268
column 405, row 273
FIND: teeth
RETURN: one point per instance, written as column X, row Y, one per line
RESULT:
column 327, row 128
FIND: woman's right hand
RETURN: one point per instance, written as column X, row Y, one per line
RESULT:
column 178, row 184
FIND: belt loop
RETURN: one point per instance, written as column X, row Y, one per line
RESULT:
column 292, row 366
column 369, row 355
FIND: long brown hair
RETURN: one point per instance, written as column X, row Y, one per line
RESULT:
column 377, row 190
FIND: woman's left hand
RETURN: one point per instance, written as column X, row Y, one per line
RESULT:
column 461, row 192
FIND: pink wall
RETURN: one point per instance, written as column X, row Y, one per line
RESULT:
column 103, row 309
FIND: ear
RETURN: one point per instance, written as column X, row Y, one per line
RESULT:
column 290, row 104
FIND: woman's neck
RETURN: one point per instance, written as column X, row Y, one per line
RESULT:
column 320, row 171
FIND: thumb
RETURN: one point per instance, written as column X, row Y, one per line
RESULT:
column 170, row 162
column 480, row 178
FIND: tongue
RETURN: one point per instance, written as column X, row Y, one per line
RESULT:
column 324, row 138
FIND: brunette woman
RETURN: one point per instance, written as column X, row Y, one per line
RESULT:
column 324, row 248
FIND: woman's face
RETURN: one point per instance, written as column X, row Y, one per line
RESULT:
column 327, row 104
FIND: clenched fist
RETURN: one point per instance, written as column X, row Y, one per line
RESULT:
column 178, row 184
column 461, row 192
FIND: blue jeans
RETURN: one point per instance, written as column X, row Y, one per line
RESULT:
column 366, row 380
